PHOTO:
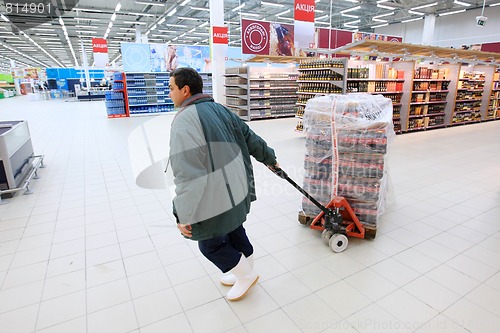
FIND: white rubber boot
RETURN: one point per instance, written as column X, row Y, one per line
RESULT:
column 245, row 279
column 228, row 279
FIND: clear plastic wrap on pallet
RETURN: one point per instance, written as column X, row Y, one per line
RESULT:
column 346, row 147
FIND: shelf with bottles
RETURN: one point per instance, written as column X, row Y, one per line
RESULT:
column 207, row 83
column 318, row 77
column 261, row 92
column 115, row 104
column 147, row 93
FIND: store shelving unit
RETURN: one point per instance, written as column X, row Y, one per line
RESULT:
column 469, row 97
column 389, row 79
column 318, row 77
column 207, row 83
column 261, row 92
column 116, row 103
column 429, row 98
column 493, row 111
column 147, row 93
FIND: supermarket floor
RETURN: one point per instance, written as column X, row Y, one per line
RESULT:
column 90, row 251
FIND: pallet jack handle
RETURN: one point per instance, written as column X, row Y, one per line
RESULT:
column 282, row 174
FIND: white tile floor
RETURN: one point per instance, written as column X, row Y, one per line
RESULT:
column 91, row 252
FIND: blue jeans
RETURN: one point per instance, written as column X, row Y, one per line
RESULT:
column 225, row 251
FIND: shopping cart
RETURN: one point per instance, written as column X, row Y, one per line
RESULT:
column 336, row 221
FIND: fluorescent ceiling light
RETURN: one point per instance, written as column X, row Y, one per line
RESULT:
column 161, row 21
column 177, row 25
column 118, row 6
column 237, row 7
column 113, row 17
column 411, row 20
column 87, row 26
column 44, row 29
column 327, row 23
column 350, row 9
column 352, row 22
column 385, row 7
column 378, row 20
column 203, row 24
column 191, row 18
column 495, row 4
column 135, row 22
column 451, row 13
column 414, row 12
column 353, row 1
column 88, row 10
column 200, row 8
column 319, row 11
column 172, row 12
column 184, row 2
column 465, row 4
column 82, row 19
column 140, row 14
column 322, row 17
column 425, row 6
column 249, row 14
column 382, row 15
column 349, row 15
column 152, row 3
column 380, row 25
column 272, row 4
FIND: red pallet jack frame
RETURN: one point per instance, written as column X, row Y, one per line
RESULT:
column 336, row 221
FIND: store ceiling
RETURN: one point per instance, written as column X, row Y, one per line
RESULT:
column 54, row 40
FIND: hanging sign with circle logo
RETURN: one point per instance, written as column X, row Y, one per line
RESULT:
column 255, row 37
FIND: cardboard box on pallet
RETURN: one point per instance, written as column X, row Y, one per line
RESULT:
column 347, row 140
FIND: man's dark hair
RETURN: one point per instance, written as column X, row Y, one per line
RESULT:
column 186, row 76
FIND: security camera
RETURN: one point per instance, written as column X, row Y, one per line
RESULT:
column 481, row 20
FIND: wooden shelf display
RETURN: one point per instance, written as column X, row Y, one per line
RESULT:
column 261, row 92
column 467, row 109
column 493, row 111
column 319, row 77
column 429, row 95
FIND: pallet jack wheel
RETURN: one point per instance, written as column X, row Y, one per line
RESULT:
column 338, row 243
column 370, row 232
column 326, row 235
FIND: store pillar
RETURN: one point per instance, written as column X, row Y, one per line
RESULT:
column 218, row 50
column 428, row 33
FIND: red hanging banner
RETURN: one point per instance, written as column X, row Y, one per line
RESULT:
column 304, row 10
column 219, row 35
column 99, row 45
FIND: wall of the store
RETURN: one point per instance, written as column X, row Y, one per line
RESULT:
column 452, row 30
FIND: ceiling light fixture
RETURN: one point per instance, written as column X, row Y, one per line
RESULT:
column 184, row 3
column 200, row 8
column 283, row 12
column 411, row 20
column 249, row 14
column 350, row 9
column 272, row 4
column 460, row 3
column 172, row 12
column 425, row 6
column 383, row 15
column 237, row 7
column 416, row 13
column 451, row 13
column 349, row 15
column 495, row 4
column 152, row 3
column 118, row 7
column 135, row 22
column 322, row 17
column 385, row 7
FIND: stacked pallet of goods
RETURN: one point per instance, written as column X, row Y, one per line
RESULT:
column 347, row 137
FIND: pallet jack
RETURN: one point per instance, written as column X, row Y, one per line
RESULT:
column 336, row 221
